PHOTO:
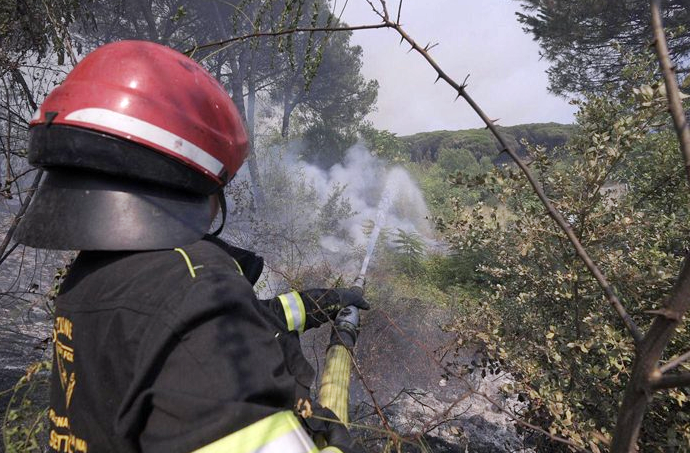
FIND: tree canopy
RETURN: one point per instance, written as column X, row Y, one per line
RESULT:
column 587, row 41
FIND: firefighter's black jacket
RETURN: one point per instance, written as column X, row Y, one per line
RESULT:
column 163, row 351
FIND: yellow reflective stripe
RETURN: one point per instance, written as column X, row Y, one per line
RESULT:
column 239, row 268
column 331, row 450
column 302, row 311
column 279, row 433
column 293, row 307
column 188, row 261
column 289, row 319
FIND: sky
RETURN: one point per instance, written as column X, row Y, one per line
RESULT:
column 481, row 38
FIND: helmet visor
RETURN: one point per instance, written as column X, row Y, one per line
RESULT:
column 75, row 210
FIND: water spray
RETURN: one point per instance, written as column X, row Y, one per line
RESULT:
column 384, row 205
column 335, row 383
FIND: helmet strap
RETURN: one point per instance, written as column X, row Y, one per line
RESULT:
column 223, row 211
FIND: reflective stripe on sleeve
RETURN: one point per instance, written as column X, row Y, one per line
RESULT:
column 132, row 126
column 293, row 306
column 331, row 450
column 279, row 433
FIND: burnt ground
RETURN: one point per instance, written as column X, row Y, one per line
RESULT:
column 401, row 353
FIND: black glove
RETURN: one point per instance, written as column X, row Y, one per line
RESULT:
column 324, row 304
column 332, row 429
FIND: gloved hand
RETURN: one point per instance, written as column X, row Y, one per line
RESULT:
column 323, row 422
column 324, row 304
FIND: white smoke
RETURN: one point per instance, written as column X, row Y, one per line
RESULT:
column 364, row 178
column 302, row 188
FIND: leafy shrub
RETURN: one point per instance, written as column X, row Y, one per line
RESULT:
column 25, row 421
column 619, row 182
column 409, row 251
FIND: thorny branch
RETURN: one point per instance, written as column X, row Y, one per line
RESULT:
column 460, row 89
column 680, row 122
column 287, row 31
column 672, row 91
column 536, row 186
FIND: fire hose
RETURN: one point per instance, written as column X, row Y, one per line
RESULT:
column 335, row 382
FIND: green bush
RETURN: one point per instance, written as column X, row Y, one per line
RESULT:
column 619, row 182
column 24, row 424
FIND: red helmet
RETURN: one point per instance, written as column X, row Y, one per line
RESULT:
column 133, row 117
column 152, row 96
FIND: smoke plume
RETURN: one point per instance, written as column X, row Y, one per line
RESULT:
column 306, row 222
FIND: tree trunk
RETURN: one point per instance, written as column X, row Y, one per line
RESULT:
column 237, row 87
column 251, row 159
column 239, row 71
column 638, row 392
column 287, row 111
column 290, row 101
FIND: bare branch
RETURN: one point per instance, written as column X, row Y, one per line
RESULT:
column 672, row 92
column 671, row 364
column 397, row 19
column 645, row 376
column 376, row 11
column 284, row 32
column 8, row 253
column 386, row 16
column 19, row 78
column 671, row 381
column 18, row 217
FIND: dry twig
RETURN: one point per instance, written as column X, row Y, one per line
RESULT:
column 671, row 381
column 671, row 364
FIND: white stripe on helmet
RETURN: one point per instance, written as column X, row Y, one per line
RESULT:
column 151, row 133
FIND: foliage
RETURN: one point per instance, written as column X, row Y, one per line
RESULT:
column 28, row 27
column 619, row 183
column 25, row 420
column 335, row 101
column 455, row 270
column 587, row 40
column 287, row 230
column 426, row 146
column 315, row 75
column 383, row 144
column 335, row 209
column 409, row 250
column 458, row 160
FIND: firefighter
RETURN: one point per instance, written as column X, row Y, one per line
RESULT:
column 160, row 344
